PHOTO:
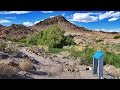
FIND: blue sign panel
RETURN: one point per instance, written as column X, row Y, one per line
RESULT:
column 98, row 55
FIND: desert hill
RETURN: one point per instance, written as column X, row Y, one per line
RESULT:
column 82, row 34
column 15, row 31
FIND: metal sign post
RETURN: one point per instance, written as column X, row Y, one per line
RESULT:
column 95, row 66
column 98, row 64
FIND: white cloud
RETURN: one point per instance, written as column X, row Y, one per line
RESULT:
column 27, row 23
column 84, row 17
column 36, row 22
column 114, row 30
column 102, row 29
column 4, row 21
column 63, row 14
column 51, row 16
column 113, row 19
column 105, row 15
column 115, row 14
column 93, row 17
column 14, row 12
column 108, row 30
column 110, row 14
column 47, row 11
column 68, row 17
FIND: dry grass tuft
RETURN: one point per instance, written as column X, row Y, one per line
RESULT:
column 8, row 70
column 112, row 70
column 26, row 65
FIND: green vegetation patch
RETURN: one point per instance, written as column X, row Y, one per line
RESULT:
column 56, row 50
column 53, row 37
column 116, row 37
column 99, row 40
column 85, row 55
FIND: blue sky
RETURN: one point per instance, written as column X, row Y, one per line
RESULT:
column 94, row 20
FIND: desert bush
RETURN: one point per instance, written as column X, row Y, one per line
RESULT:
column 26, row 65
column 7, row 71
column 112, row 59
column 68, row 40
column 14, row 40
column 99, row 40
column 116, row 37
column 85, row 61
column 2, row 46
column 53, row 37
column 10, row 50
column 75, row 54
column 55, row 50
column 116, row 47
column 85, row 55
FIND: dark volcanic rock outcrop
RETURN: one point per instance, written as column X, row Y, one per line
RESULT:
column 60, row 21
column 15, row 31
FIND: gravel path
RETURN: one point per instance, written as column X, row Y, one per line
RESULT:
column 47, row 66
column 36, row 57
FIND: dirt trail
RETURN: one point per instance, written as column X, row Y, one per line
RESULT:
column 81, row 74
column 36, row 57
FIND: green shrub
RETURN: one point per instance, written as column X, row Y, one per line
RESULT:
column 22, row 40
column 99, row 40
column 53, row 37
column 68, row 40
column 14, row 40
column 116, row 37
column 112, row 59
column 3, row 45
column 55, row 50
column 85, row 55
column 10, row 50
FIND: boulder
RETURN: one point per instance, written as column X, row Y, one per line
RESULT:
column 18, row 55
column 112, row 70
column 3, row 55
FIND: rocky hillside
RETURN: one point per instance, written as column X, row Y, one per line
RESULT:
column 15, row 31
column 59, row 20
column 82, row 35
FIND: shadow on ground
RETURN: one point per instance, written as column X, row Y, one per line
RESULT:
column 38, row 73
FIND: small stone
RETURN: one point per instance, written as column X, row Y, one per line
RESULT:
column 3, row 55
column 22, row 72
column 87, row 68
column 18, row 55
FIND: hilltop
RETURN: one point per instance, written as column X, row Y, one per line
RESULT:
column 81, row 34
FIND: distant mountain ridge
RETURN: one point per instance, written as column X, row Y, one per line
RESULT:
column 17, row 31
